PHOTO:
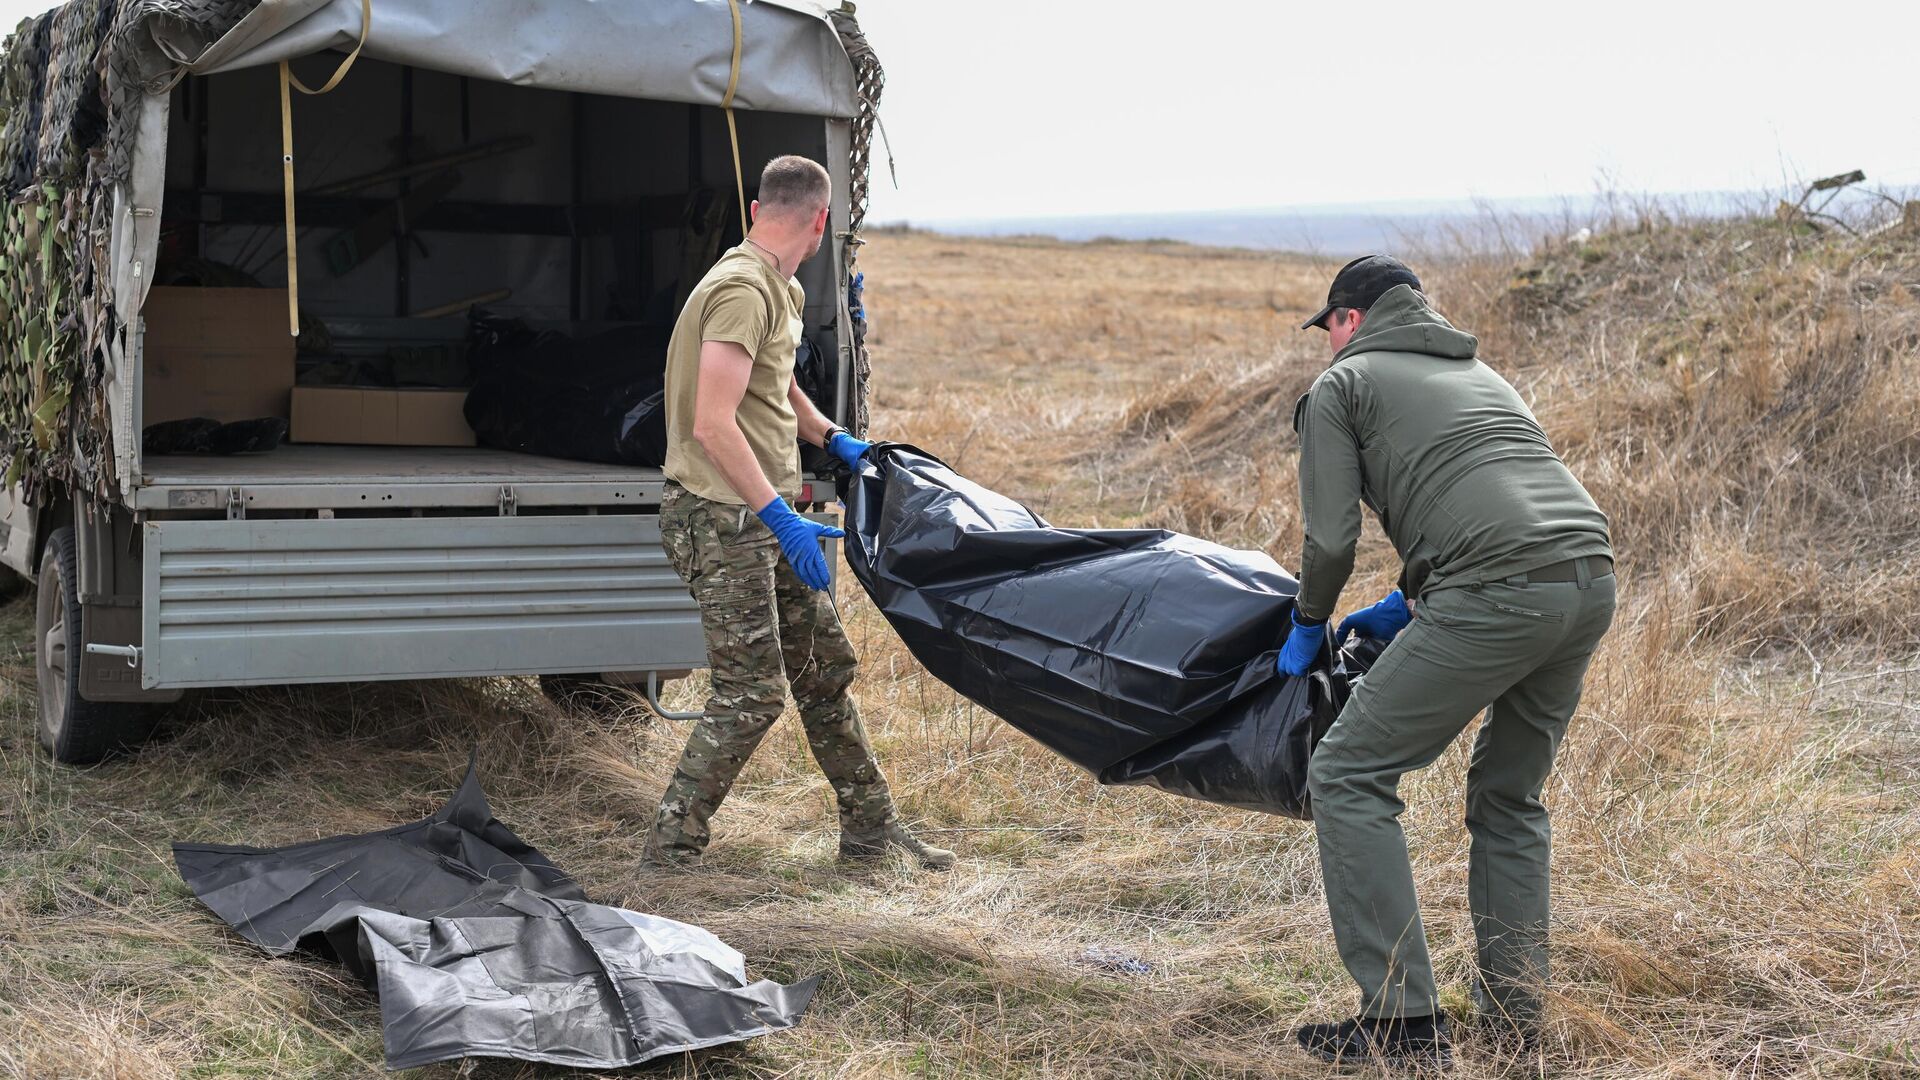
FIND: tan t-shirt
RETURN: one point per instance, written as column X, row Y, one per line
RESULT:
column 743, row 299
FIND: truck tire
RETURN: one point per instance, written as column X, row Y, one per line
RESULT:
column 74, row 730
column 587, row 694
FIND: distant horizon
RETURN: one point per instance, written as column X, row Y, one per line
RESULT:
column 1421, row 205
column 1345, row 229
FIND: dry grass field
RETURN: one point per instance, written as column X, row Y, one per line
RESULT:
column 1737, row 811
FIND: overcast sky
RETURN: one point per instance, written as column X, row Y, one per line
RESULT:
column 1053, row 107
column 1060, row 106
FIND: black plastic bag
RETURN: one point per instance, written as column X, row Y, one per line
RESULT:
column 1254, row 753
column 599, row 398
column 478, row 945
column 200, row 435
column 1143, row 656
column 815, row 370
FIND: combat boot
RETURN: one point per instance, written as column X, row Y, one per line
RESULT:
column 1416, row 1043
column 670, row 849
column 678, row 839
column 871, row 844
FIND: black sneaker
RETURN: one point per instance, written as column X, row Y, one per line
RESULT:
column 1411, row 1042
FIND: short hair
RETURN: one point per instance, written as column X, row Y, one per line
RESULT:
column 791, row 183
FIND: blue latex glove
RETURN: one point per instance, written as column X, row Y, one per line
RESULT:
column 1303, row 646
column 1379, row 622
column 848, row 449
column 799, row 541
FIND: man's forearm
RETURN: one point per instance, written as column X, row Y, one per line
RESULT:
column 1323, row 574
column 1330, row 485
column 726, row 446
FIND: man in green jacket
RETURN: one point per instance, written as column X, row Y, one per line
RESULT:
column 1512, row 566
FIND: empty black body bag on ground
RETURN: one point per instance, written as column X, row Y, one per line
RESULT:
column 1143, row 656
column 599, row 398
column 479, row 946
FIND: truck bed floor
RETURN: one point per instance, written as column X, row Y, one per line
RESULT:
column 298, row 464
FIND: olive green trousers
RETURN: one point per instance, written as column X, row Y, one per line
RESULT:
column 1519, row 651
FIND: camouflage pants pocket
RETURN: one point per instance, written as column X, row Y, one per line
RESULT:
column 676, row 530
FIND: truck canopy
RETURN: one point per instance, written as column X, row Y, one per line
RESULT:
column 663, row 50
column 102, row 149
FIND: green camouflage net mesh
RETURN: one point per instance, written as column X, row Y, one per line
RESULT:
column 70, row 84
column 869, row 80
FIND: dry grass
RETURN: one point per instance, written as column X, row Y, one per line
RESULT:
column 1737, row 808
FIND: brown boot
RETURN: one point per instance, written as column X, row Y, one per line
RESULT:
column 868, row 845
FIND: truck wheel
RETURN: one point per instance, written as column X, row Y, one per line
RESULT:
column 11, row 584
column 74, row 730
column 588, row 695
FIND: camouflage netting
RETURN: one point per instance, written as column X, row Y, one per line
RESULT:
column 69, row 93
column 869, row 79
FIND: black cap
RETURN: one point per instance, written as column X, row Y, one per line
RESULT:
column 1360, row 283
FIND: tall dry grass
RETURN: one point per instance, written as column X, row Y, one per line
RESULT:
column 1743, row 399
column 1737, row 808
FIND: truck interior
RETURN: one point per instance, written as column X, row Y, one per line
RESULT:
column 425, row 200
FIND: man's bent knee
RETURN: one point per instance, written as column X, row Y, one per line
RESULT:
column 747, row 698
column 823, row 688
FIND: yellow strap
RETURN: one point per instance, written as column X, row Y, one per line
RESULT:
column 733, row 132
column 366, row 23
column 286, row 167
column 288, row 82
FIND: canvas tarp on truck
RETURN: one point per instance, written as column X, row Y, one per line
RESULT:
column 478, row 945
column 1143, row 656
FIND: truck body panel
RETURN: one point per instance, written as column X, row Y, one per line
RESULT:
column 238, row 603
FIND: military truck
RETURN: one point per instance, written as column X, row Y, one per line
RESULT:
column 571, row 166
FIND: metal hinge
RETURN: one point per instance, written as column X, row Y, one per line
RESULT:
column 236, row 504
column 508, row 501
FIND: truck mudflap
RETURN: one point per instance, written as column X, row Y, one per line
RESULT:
column 252, row 602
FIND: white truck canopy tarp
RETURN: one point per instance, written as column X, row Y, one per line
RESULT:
column 666, row 50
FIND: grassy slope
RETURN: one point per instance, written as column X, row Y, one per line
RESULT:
column 1736, row 826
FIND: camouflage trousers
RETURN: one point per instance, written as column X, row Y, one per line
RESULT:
column 765, row 632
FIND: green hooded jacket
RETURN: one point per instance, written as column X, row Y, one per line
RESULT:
column 1443, row 450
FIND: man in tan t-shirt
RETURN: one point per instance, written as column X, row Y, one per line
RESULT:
column 735, row 416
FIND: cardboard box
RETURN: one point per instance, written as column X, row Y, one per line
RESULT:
column 377, row 416
column 219, row 353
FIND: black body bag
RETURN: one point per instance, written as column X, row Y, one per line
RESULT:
column 1141, row 655
column 598, row 398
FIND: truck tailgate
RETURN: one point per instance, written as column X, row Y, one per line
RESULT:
column 249, row 602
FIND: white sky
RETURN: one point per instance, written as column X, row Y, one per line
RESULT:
column 1056, row 107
